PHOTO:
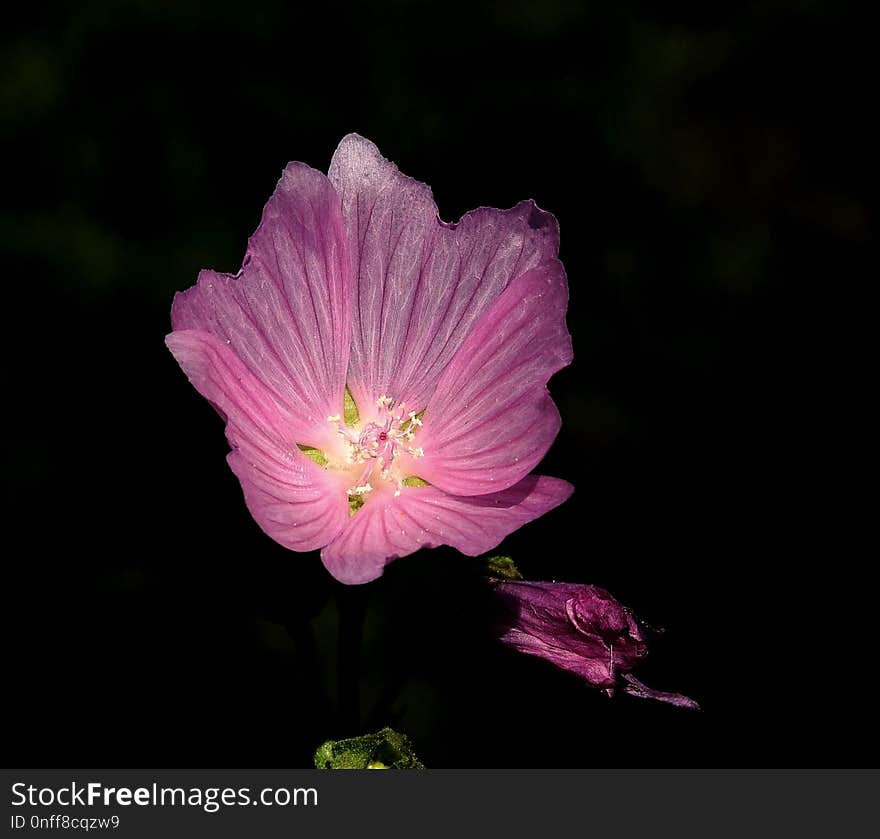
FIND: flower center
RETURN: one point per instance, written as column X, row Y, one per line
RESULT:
column 378, row 447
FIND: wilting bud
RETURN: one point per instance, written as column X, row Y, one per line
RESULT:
column 579, row 628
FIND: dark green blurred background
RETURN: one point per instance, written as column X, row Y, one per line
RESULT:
column 707, row 167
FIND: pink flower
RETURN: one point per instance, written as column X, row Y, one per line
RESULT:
column 579, row 628
column 383, row 374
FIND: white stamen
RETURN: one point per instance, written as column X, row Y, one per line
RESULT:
column 379, row 443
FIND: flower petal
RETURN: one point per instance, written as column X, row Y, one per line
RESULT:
column 286, row 314
column 420, row 285
column 294, row 501
column 594, row 665
column 389, row 527
column 491, row 419
column 635, row 688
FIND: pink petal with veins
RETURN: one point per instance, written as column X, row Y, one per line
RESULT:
column 491, row 420
column 293, row 500
column 419, row 285
column 388, row 527
column 286, row 314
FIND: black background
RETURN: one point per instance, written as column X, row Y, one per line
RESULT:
column 707, row 166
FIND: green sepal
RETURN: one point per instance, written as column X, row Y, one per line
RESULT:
column 350, row 410
column 385, row 749
column 503, row 568
column 415, row 481
column 313, row 454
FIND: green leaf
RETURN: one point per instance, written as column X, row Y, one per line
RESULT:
column 503, row 568
column 350, row 412
column 385, row 749
column 314, row 454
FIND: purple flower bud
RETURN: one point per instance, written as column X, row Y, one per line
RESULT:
column 579, row 628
